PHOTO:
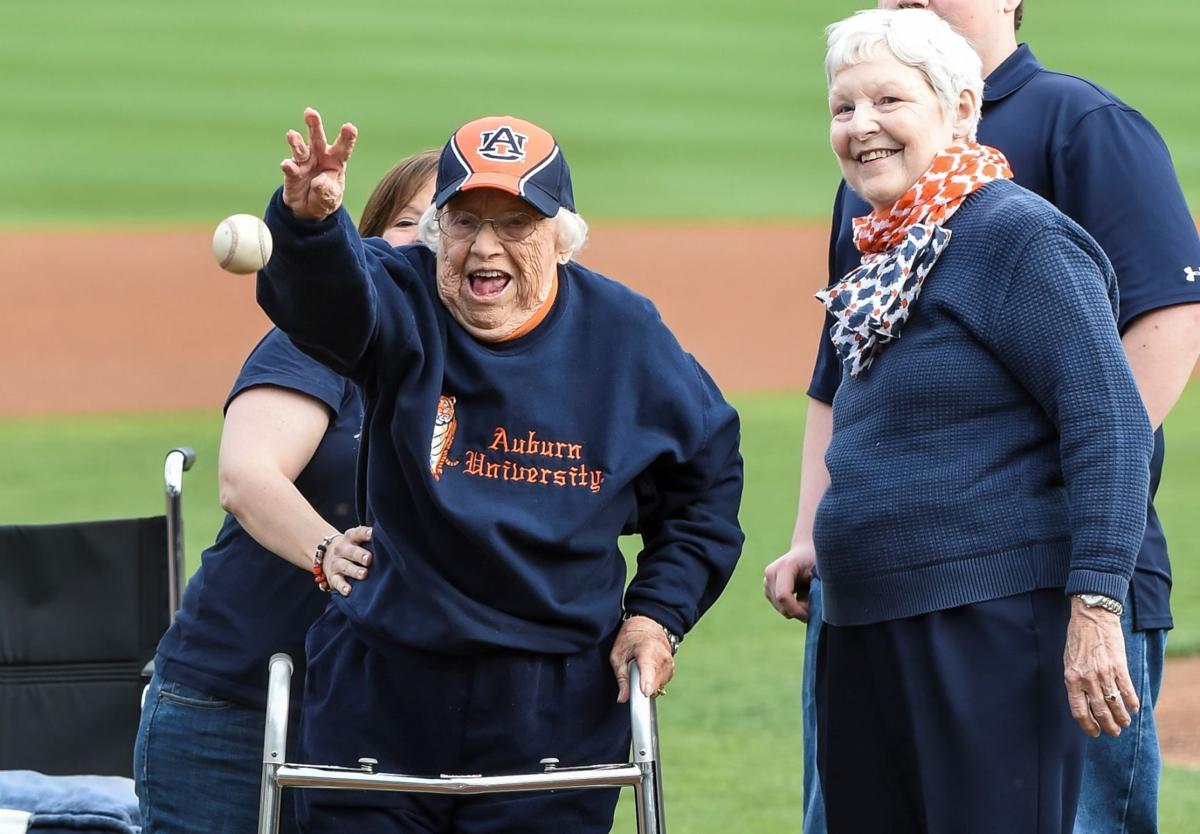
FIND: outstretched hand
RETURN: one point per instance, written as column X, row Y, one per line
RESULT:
column 314, row 176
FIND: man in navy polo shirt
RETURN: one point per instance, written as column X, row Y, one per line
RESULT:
column 1105, row 166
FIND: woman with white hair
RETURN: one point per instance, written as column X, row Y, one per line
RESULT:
column 522, row 413
column 988, row 465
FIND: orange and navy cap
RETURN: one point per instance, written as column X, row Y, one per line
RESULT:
column 510, row 154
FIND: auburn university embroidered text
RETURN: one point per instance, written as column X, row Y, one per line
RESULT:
column 547, row 468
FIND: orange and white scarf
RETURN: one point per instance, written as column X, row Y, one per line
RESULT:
column 900, row 245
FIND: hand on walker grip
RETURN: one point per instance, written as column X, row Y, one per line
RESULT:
column 643, row 640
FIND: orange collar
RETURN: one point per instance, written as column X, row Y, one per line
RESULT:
column 540, row 314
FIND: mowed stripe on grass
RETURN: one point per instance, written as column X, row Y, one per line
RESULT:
column 138, row 113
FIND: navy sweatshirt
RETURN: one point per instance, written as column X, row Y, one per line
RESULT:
column 499, row 476
column 1000, row 445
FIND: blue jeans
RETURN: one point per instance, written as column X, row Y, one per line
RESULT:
column 197, row 763
column 814, row 803
column 1120, row 775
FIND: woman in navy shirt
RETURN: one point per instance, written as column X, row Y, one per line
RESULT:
column 287, row 461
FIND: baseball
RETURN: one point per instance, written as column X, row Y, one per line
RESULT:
column 242, row 244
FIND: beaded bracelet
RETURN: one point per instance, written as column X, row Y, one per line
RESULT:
column 318, row 572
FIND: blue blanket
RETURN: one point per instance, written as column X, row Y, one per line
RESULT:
column 62, row 804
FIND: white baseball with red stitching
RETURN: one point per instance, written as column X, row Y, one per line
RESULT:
column 242, row 244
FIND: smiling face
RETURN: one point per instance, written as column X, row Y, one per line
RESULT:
column 403, row 228
column 493, row 286
column 887, row 126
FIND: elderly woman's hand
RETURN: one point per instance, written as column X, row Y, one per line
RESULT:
column 1096, row 671
column 345, row 559
column 643, row 640
column 314, row 177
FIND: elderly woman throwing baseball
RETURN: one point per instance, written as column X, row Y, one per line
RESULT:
column 522, row 412
column 988, row 466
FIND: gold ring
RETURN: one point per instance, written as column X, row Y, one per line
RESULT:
column 1112, row 697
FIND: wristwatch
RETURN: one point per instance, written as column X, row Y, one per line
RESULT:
column 672, row 638
column 1100, row 601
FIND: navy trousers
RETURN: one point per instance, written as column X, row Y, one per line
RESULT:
column 950, row 722
column 425, row 714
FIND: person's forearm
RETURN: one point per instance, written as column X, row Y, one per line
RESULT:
column 786, row 580
column 1163, row 346
column 690, row 551
column 1071, row 365
column 814, row 477
column 275, row 514
column 316, row 287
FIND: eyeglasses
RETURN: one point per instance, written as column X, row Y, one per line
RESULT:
column 513, row 226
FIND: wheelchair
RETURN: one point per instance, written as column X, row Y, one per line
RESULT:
column 82, row 608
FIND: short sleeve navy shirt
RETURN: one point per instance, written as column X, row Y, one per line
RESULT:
column 1105, row 166
column 245, row 603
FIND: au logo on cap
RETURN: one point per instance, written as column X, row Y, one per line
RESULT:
column 502, row 144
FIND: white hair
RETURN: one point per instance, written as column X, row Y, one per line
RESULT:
column 572, row 231
column 918, row 38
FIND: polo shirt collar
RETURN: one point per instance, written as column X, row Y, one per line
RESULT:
column 1013, row 74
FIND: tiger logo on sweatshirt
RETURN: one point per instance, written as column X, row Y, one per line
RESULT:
column 445, row 424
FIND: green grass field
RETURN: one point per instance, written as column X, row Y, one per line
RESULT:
column 731, row 724
column 169, row 113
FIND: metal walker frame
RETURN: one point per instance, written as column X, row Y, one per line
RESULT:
column 643, row 774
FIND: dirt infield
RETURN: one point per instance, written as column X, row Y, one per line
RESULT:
column 1178, row 712
column 122, row 321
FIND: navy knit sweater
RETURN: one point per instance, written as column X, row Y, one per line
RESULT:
column 1000, row 445
column 499, row 476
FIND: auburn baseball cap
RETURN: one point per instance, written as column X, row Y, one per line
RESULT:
column 510, row 154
